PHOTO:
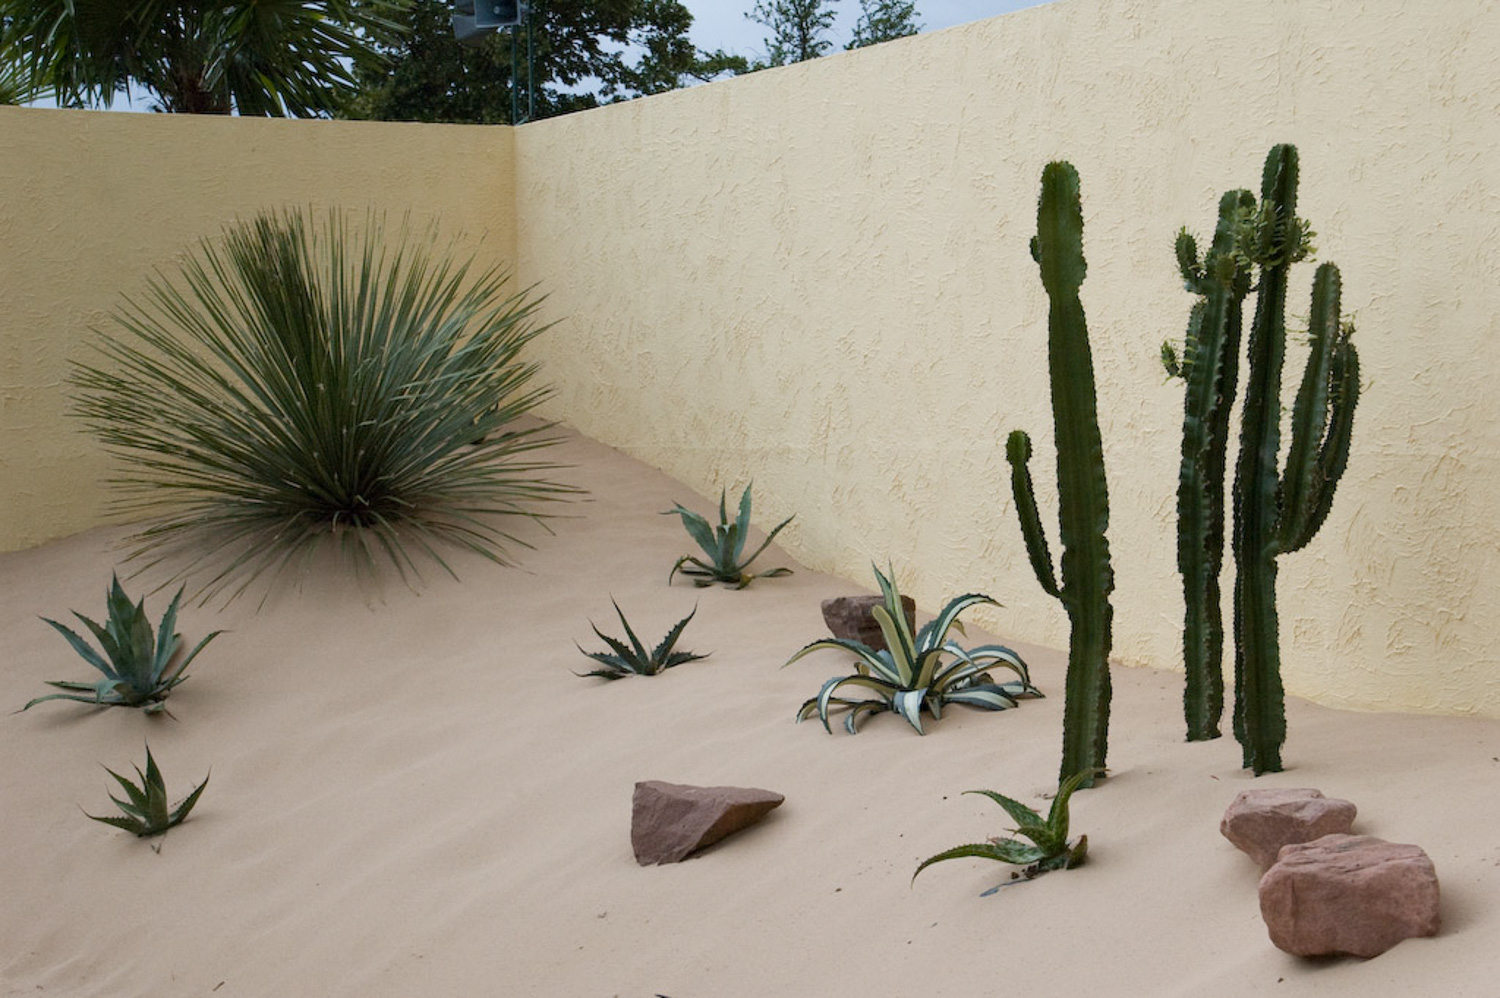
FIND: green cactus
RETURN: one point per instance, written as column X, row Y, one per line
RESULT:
column 1083, row 498
column 1210, row 367
column 1278, row 512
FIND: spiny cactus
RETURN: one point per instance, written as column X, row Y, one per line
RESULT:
column 1210, row 367
column 1277, row 512
column 1083, row 499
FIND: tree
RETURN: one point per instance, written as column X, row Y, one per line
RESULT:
column 797, row 29
column 585, row 54
column 883, row 20
column 256, row 57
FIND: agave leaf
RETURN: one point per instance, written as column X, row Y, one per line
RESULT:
column 908, row 703
column 1004, row 850
column 698, row 529
column 948, row 618
column 662, row 651
column 863, row 652
column 1057, row 818
column 989, row 697
column 167, row 639
column 765, row 544
column 1020, row 813
column 825, row 695
column 84, row 650
column 640, row 650
column 125, row 823
column 741, row 525
column 180, row 814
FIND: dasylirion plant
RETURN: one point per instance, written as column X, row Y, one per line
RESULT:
column 1279, row 510
column 1209, row 364
column 1083, row 498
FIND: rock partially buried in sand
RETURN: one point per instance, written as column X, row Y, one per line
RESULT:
column 669, row 821
column 1349, row 894
column 849, row 617
column 1260, row 822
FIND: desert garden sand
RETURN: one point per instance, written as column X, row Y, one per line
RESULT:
column 415, row 796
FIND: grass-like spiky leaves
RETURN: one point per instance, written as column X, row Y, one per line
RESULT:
column 633, row 659
column 146, row 809
column 140, row 667
column 314, row 380
column 916, row 673
column 724, row 546
column 1048, row 849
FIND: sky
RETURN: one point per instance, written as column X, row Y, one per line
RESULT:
column 721, row 24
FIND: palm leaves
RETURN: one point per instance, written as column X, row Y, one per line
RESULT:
column 145, row 808
column 137, row 664
column 724, row 545
column 1048, row 849
column 913, row 673
column 309, row 383
column 632, row 659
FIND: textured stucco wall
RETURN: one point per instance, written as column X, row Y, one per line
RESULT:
column 817, row 277
column 93, row 202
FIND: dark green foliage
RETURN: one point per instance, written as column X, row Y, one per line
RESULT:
column 146, row 811
column 724, row 546
column 884, row 20
column 320, row 382
column 910, row 674
column 140, row 667
column 267, row 57
column 1210, row 367
column 1083, row 499
column 1275, row 511
column 633, row 659
column 1049, row 848
column 798, row 28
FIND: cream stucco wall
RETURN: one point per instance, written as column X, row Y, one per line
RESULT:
column 94, row 201
column 818, row 278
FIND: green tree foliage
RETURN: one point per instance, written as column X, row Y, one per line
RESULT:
column 882, row 20
column 585, row 54
column 798, row 29
column 254, row 57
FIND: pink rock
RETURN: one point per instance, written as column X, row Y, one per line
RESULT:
column 1353, row 894
column 668, row 821
column 1260, row 822
column 848, row 617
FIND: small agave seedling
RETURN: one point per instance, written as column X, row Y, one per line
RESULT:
column 1049, row 848
column 911, row 672
column 724, row 545
column 146, row 812
column 137, row 664
column 633, row 659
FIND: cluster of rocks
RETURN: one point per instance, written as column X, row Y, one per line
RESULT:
column 1325, row 891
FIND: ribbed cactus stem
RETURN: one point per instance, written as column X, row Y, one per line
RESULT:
column 1083, row 499
column 1211, row 368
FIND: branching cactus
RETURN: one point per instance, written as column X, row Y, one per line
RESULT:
column 1278, row 511
column 1210, row 367
column 1083, row 500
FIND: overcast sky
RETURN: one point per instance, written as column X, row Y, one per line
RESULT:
column 721, row 24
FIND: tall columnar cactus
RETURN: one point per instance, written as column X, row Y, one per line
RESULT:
column 1083, row 499
column 1210, row 366
column 1278, row 512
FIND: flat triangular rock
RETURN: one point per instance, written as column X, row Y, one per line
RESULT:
column 670, row 821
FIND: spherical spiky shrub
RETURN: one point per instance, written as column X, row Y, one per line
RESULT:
column 309, row 380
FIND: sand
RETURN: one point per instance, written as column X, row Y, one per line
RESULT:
column 416, row 796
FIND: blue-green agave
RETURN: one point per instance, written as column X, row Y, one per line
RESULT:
column 724, row 546
column 146, row 809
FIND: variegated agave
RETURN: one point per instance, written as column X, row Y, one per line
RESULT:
column 724, row 545
column 916, row 673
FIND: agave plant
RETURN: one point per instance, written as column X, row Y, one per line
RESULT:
column 724, row 546
column 138, row 665
column 1049, row 848
column 916, row 673
column 320, row 381
column 632, row 659
column 146, row 810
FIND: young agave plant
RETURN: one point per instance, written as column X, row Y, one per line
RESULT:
column 146, row 810
column 913, row 673
column 724, row 545
column 137, row 664
column 633, row 659
column 1049, row 848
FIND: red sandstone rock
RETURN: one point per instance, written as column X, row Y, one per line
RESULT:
column 1260, row 822
column 1353, row 894
column 669, row 821
column 848, row 617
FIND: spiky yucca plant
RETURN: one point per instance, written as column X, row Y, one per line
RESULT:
column 146, row 811
column 311, row 380
column 1049, row 848
column 633, row 659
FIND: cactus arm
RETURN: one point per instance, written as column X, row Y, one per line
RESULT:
column 1321, row 419
column 1018, row 453
column 1259, row 714
column 1082, row 493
